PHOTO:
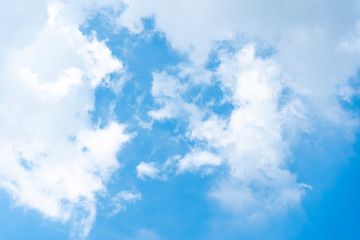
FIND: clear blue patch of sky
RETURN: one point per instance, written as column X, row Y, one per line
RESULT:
column 332, row 211
column 174, row 209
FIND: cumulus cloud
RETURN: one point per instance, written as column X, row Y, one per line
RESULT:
column 147, row 170
column 250, row 141
column 275, row 96
column 308, row 48
column 197, row 159
column 53, row 159
column 156, row 170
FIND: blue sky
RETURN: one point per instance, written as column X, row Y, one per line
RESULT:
column 185, row 120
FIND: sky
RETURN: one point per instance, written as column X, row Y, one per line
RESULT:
column 154, row 120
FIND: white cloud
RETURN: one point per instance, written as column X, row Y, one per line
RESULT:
column 164, row 88
column 147, row 170
column 167, row 91
column 52, row 158
column 19, row 24
column 250, row 141
column 308, row 48
column 67, row 79
column 197, row 159
column 314, row 55
column 123, row 197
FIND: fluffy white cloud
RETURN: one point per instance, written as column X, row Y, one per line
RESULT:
column 197, row 159
column 308, row 37
column 52, row 157
column 250, row 141
column 314, row 54
column 54, row 160
column 167, row 91
column 156, row 170
column 147, row 170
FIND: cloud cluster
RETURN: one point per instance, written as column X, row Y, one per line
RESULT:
column 250, row 142
column 55, row 160
column 315, row 46
column 52, row 157
column 286, row 83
